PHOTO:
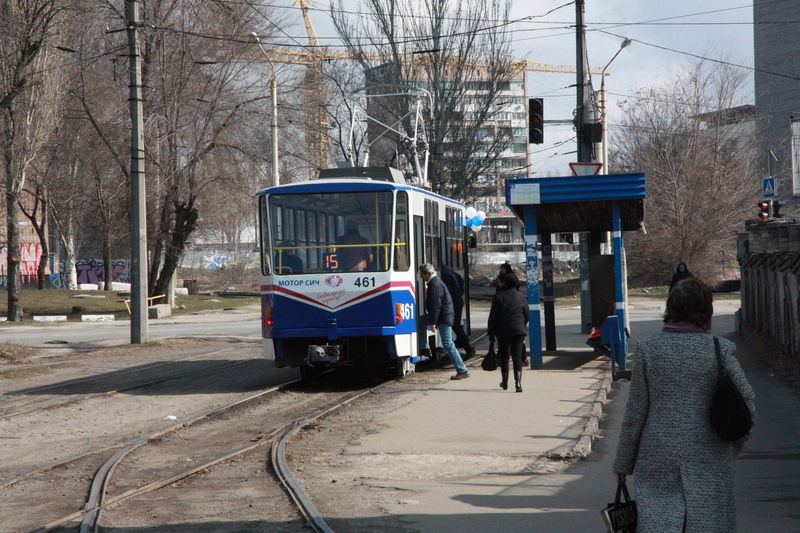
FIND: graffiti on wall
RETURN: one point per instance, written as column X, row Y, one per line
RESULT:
column 29, row 256
column 93, row 271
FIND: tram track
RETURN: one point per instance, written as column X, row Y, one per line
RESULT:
column 104, row 495
column 99, row 498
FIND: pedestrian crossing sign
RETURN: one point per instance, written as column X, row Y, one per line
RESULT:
column 768, row 188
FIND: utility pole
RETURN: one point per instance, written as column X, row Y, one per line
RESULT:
column 138, row 212
column 584, row 155
column 273, row 86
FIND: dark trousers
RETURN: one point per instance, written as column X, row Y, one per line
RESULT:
column 461, row 338
column 510, row 346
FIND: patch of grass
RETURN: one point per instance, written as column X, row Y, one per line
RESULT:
column 659, row 292
column 65, row 302
column 204, row 302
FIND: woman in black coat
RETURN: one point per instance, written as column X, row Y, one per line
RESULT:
column 508, row 322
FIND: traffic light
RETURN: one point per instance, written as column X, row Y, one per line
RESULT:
column 764, row 210
column 776, row 209
column 535, row 120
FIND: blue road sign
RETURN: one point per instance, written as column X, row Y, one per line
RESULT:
column 768, row 188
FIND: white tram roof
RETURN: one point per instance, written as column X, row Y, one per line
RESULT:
column 356, row 183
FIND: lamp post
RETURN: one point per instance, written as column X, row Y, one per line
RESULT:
column 604, row 142
column 274, row 92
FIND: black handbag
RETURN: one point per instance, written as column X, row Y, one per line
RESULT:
column 489, row 362
column 730, row 416
column 621, row 516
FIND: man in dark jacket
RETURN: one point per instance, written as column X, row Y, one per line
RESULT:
column 455, row 285
column 440, row 316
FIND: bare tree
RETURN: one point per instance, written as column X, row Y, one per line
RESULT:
column 459, row 52
column 696, row 146
column 29, row 109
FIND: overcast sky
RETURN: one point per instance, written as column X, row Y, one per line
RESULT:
column 719, row 29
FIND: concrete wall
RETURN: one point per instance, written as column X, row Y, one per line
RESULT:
column 769, row 256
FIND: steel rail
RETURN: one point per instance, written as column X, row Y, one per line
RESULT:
column 95, row 505
column 99, row 483
column 278, row 455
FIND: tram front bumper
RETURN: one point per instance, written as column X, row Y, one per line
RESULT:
column 328, row 353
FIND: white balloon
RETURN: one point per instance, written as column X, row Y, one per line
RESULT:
column 470, row 212
column 477, row 228
column 481, row 215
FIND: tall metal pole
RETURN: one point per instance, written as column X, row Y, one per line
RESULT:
column 584, row 156
column 137, row 207
column 276, row 180
column 273, row 85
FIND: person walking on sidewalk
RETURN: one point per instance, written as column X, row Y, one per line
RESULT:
column 508, row 322
column 683, row 472
column 440, row 314
column 681, row 272
column 455, row 285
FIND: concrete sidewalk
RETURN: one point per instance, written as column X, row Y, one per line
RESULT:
column 503, row 448
column 498, row 444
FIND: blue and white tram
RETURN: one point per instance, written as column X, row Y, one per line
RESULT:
column 339, row 259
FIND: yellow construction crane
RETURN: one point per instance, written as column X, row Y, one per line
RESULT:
column 316, row 96
column 316, row 107
column 308, row 58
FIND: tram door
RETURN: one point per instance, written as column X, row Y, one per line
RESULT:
column 419, row 258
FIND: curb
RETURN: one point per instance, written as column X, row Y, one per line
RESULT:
column 581, row 447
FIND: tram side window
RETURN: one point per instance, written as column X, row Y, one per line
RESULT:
column 401, row 245
column 432, row 233
column 264, row 236
column 453, row 234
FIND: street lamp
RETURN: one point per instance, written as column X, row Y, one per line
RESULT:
column 604, row 142
column 274, row 91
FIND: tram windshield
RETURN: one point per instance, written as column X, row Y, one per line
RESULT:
column 330, row 232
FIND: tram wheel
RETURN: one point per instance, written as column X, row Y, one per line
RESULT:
column 404, row 366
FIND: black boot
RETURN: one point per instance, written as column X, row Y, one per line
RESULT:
column 504, row 383
column 518, row 379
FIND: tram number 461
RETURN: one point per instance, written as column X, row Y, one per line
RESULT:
column 365, row 282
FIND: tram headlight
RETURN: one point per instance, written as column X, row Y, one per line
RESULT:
column 398, row 313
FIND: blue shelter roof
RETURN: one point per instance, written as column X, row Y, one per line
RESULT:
column 579, row 203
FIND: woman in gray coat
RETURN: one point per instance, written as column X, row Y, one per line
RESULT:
column 683, row 470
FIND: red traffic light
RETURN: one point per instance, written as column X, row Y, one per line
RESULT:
column 535, row 120
column 764, row 210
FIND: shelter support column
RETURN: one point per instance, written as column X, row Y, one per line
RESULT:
column 532, row 271
column 548, row 293
column 619, row 283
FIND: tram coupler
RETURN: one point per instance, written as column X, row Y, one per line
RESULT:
column 328, row 353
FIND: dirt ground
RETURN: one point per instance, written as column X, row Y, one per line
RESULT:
column 238, row 495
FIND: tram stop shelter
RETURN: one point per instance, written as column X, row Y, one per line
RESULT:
column 595, row 204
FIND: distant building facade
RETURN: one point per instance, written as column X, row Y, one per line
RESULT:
column 777, row 86
column 502, row 231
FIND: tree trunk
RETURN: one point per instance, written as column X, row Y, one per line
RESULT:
column 107, row 267
column 12, row 235
column 68, row 257
column 13, row 186
column 185, row 220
